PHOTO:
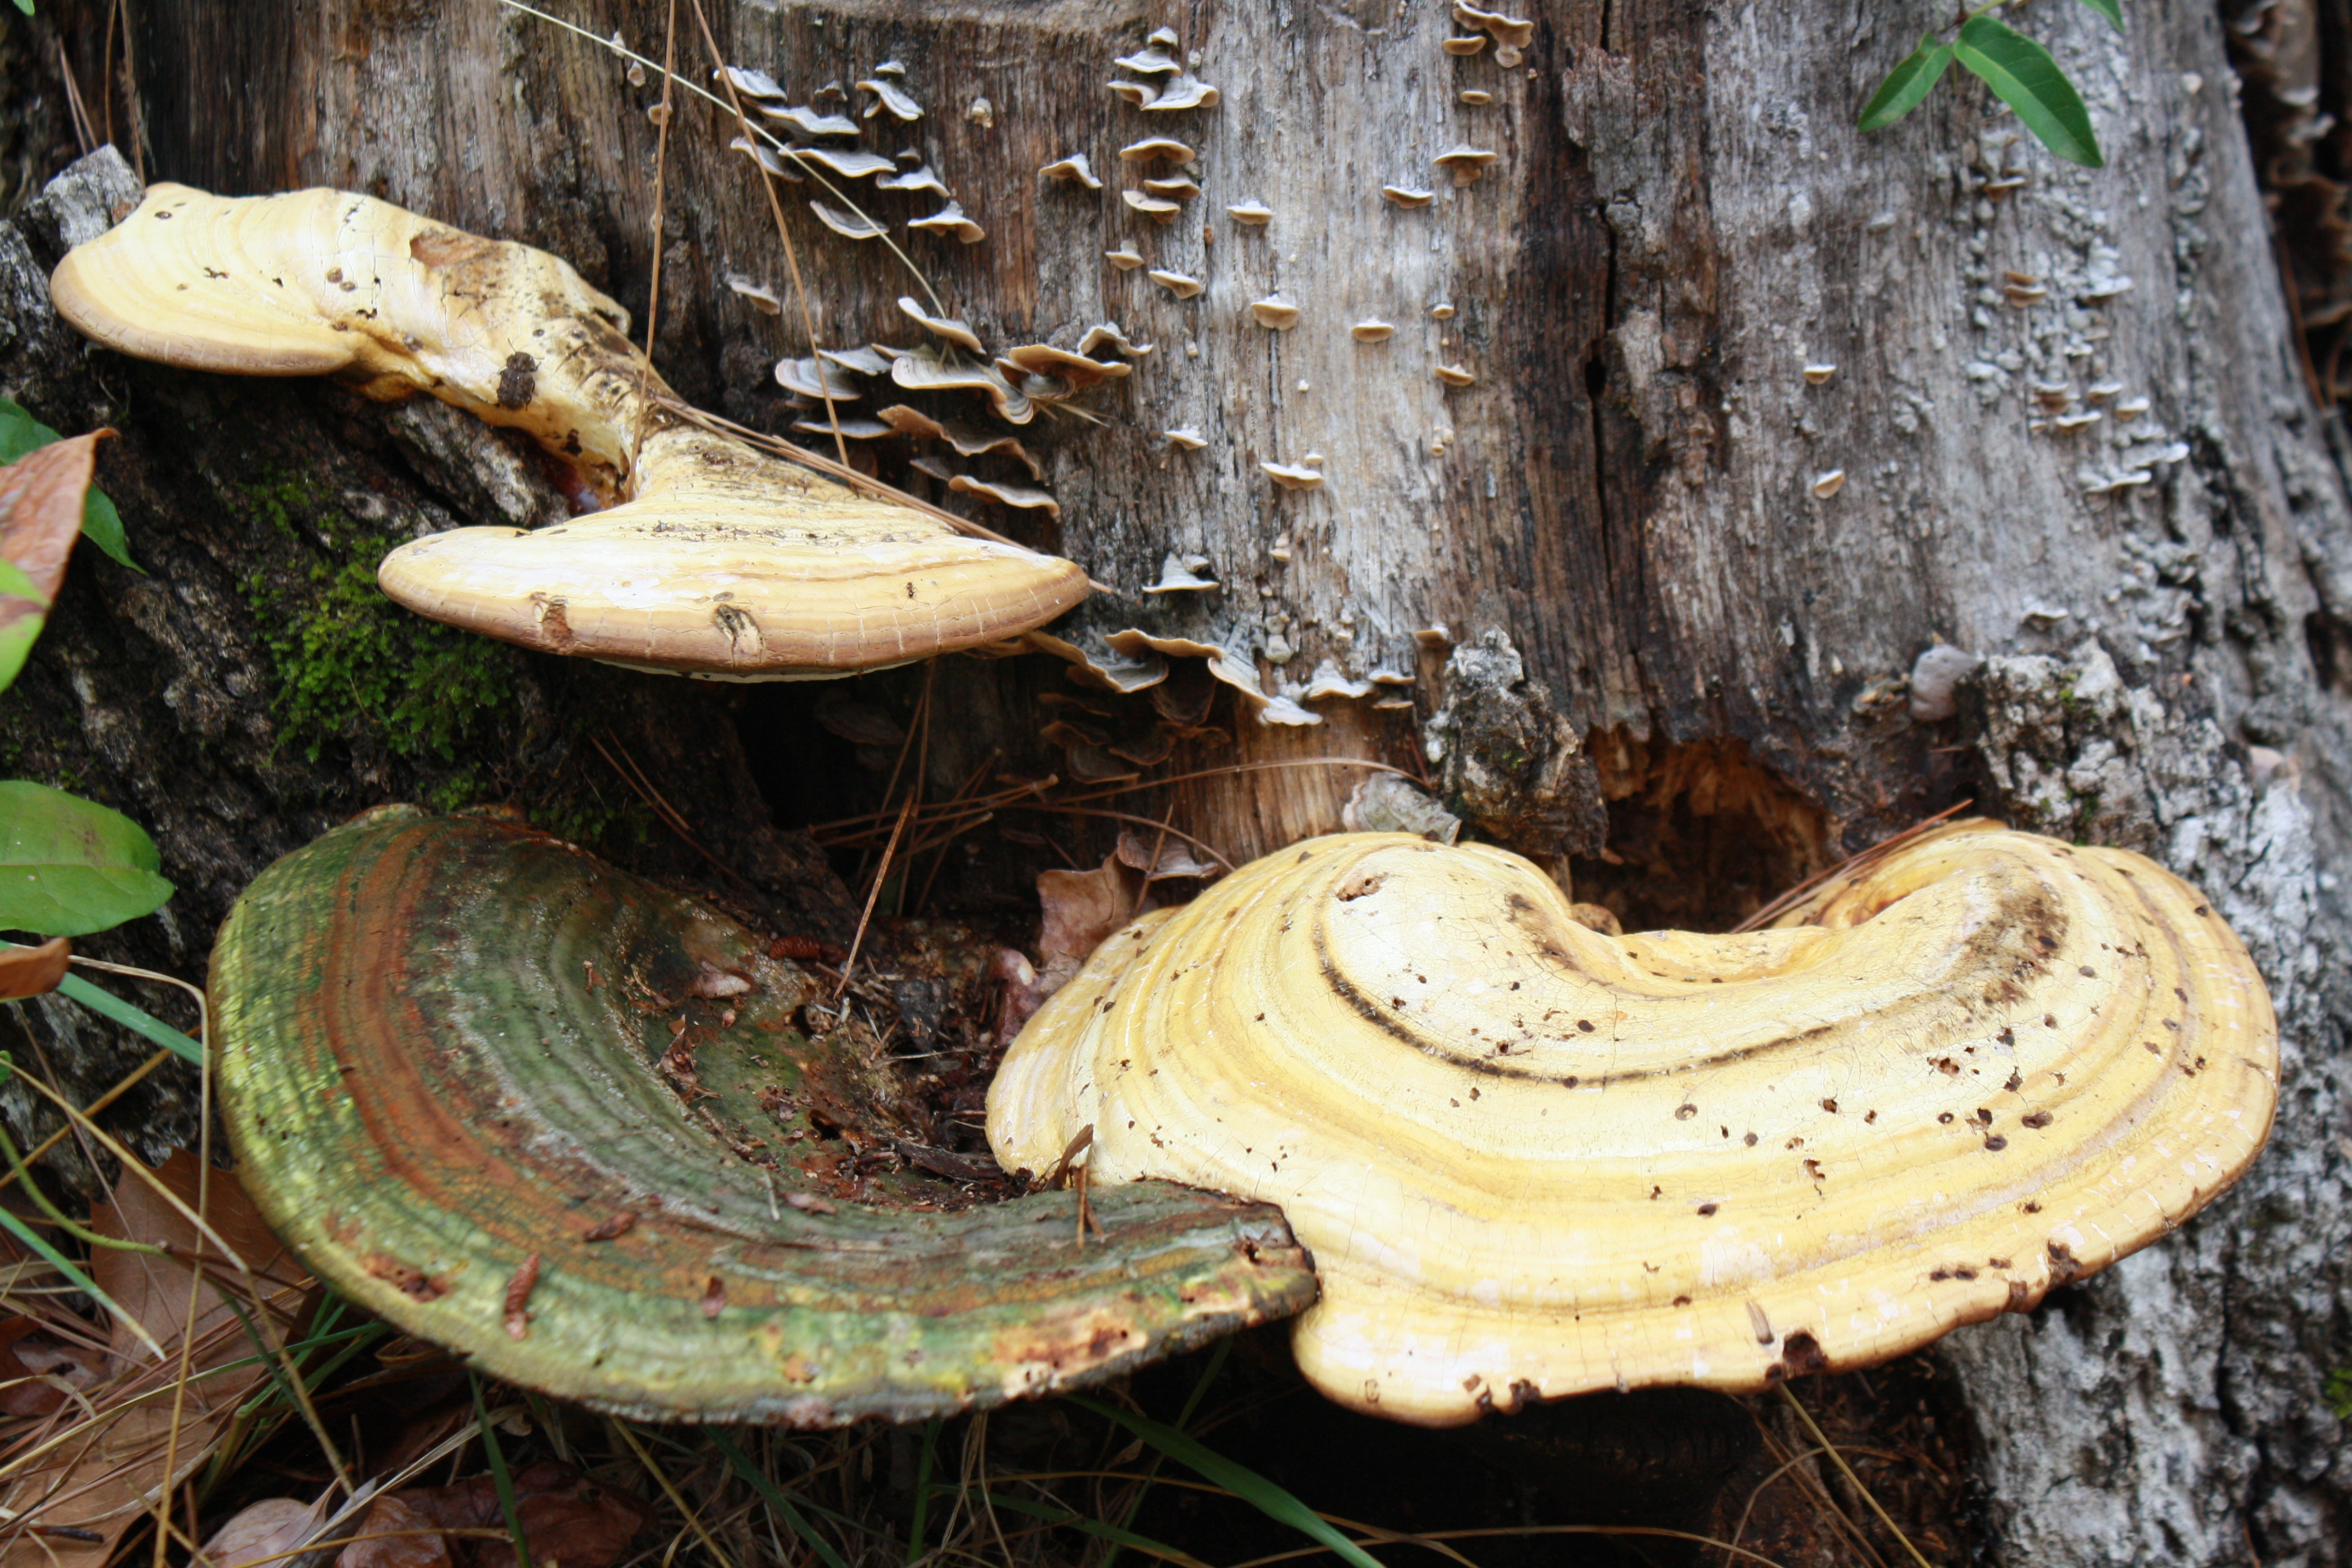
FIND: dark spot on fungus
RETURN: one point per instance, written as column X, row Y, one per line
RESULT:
column 1995, row 1143
column 516, row 383
column 1685, row 1112
column 1830, row 1106
column 2036, row 1119
column 1802, row 1354
column 2088, row 972
column 1945, row 1119
column 1706, row 1209
column 1585, row 1025
column 1749, row 1139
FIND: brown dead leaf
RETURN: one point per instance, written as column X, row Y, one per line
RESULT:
column 565, row 1517
column 406, row 1537
column 155, row 1289
column 107, row 1474
column 40, row 508
column 1080, row 908
column 37, row 1368
column 33, row 971
column 260, row 1530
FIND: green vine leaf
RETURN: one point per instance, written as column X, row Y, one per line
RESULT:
column 2023, row 76
column 24, row 611
column 69, row 867
column 2111, row 9
column 1911, row 80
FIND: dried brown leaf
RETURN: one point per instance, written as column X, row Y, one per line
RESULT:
column 260, row 1530
column 1080, row 908
column 40, row 508
column 33, row 971
column 102, row 1480
column 406, row 1537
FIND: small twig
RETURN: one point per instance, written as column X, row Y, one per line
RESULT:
column 1847, row 867
column 914, row 798
column 83, row 135
column 1847, row 1470
column 653, row 298
column 791, row 253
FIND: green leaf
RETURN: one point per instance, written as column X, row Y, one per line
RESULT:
column 19, row 629
column 1239, row 1480
column 136, row 1019
column 20, row 433
column 2111, row 9
column 26, row 7
column 2023, row 76
column 1913, row 77
column 69, row 867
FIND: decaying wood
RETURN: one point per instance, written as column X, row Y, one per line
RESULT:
column 1680, row 221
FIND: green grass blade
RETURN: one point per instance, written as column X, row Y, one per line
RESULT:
column 501, row 1480
column 773, row 1496
column 1239, row 1480
column 1208, row 1370
column 1911, row 80
column 2111, row 9
column 38, row 1245
column 138, row 1020
column 922, row 1491
column 2023, row 76
column 1093, row 1527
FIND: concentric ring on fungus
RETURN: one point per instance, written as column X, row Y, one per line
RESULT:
column 1530, row 1160
column 574, row 1127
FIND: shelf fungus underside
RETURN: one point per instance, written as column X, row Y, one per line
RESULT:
column 450, row 1045
column 1530, row 1160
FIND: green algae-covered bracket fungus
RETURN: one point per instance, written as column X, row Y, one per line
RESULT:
column 536, row 1110
column 707, row 558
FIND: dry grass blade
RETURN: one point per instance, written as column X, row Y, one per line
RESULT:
column 783, row 233
column 1847, row 1470
column 1850, row 865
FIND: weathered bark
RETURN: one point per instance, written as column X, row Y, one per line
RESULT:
column 1680, row 220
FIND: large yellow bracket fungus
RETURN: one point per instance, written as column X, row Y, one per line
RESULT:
column 1530, row 1160
column 529, row 1107
column 716, row 561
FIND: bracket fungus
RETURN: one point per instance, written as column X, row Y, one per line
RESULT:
column 1531, row 1159
column 437, row 1061
column 808, row 121
column 1275, row 311
column 951, row 328
column 711, row 558
column 849, row 226
column 1155, row 208
column 1184, row 285
column 1153, row 147
column 890, row 96
column 1466, row 162
column 1076, row 168
column 1408, row 197
column 951, row 219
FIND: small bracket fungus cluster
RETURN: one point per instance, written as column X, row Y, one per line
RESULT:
column 711, row 558
column 1531, row 1159
column 562, row 1122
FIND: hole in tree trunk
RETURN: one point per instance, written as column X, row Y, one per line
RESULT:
column 1701, row 835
